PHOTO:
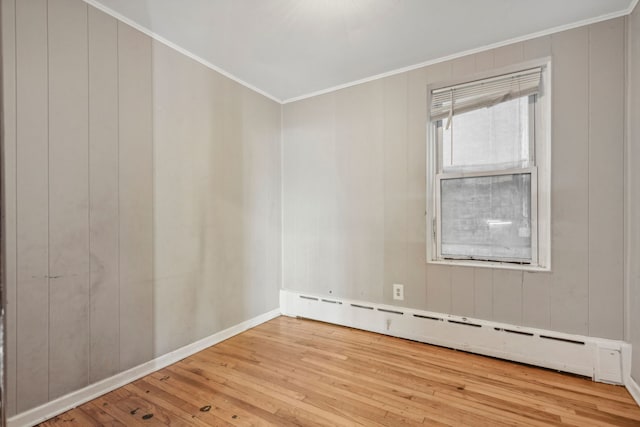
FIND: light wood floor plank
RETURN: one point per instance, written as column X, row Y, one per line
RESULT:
column 292, row 372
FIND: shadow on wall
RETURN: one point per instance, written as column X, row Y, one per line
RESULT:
column 216, row 202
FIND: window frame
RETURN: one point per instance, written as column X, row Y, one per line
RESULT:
column 540, row 164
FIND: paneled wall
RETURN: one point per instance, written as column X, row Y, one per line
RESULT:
column 142, row 199
column 216, row 194
column 354, row 192
column 633, row 190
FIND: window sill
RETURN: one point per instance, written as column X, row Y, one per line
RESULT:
column 491, row 264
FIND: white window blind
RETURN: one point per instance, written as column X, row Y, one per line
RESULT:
column 458, row 99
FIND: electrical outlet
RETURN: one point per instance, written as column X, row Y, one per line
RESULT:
column 398, row 291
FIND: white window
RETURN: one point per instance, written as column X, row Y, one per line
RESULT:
column 488, row 172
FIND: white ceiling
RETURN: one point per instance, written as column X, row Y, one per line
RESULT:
column 289, row 49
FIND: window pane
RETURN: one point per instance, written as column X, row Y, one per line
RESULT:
column 487, row 217
column 495, row 137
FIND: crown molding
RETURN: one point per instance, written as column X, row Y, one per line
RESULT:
column 157, row 37
column 543, row 33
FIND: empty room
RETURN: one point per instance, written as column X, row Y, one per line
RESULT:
column 320, row 212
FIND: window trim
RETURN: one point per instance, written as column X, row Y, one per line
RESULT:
column 542, row 155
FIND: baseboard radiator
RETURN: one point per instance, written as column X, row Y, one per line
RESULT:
column 601, row 359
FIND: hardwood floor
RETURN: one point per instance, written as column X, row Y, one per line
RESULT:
column 299, row 372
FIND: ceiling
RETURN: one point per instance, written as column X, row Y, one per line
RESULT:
column 290, row 49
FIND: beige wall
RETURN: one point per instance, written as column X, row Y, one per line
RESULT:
column 633, row 189
column 142, row 199
column 354, row 192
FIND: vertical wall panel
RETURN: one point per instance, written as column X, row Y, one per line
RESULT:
column 535, row 286
column 69, row 198
column 359, row 159
column 569, row 199
column 507, row 296
column 632, row 182
column 417, row 81
column 462, row 291
column 32, row 169
column 229, row 171
column 8, row 13
column 225, row 205
column 307, row 234
column 463, row 66
column 103, row 192
column 261, row 162
column 484, row 60
column 606, row 183
column 135, row 159
column 535, row 300
column 395, row 187
column 537, row 48
column 508, row 55
column 180, row 175
column 439, row 288
column 234, row 214
column 483, row 293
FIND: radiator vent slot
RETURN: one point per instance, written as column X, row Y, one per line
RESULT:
column 331, row 302
column 548, row 337
column 362, row 306
column 475, row 325
column 511, row 331
column 309, row 298
column 391, row 311
column 419, row 316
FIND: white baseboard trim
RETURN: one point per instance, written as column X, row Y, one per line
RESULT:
column 601, row 359
column 72, row 400
column 634, row 389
